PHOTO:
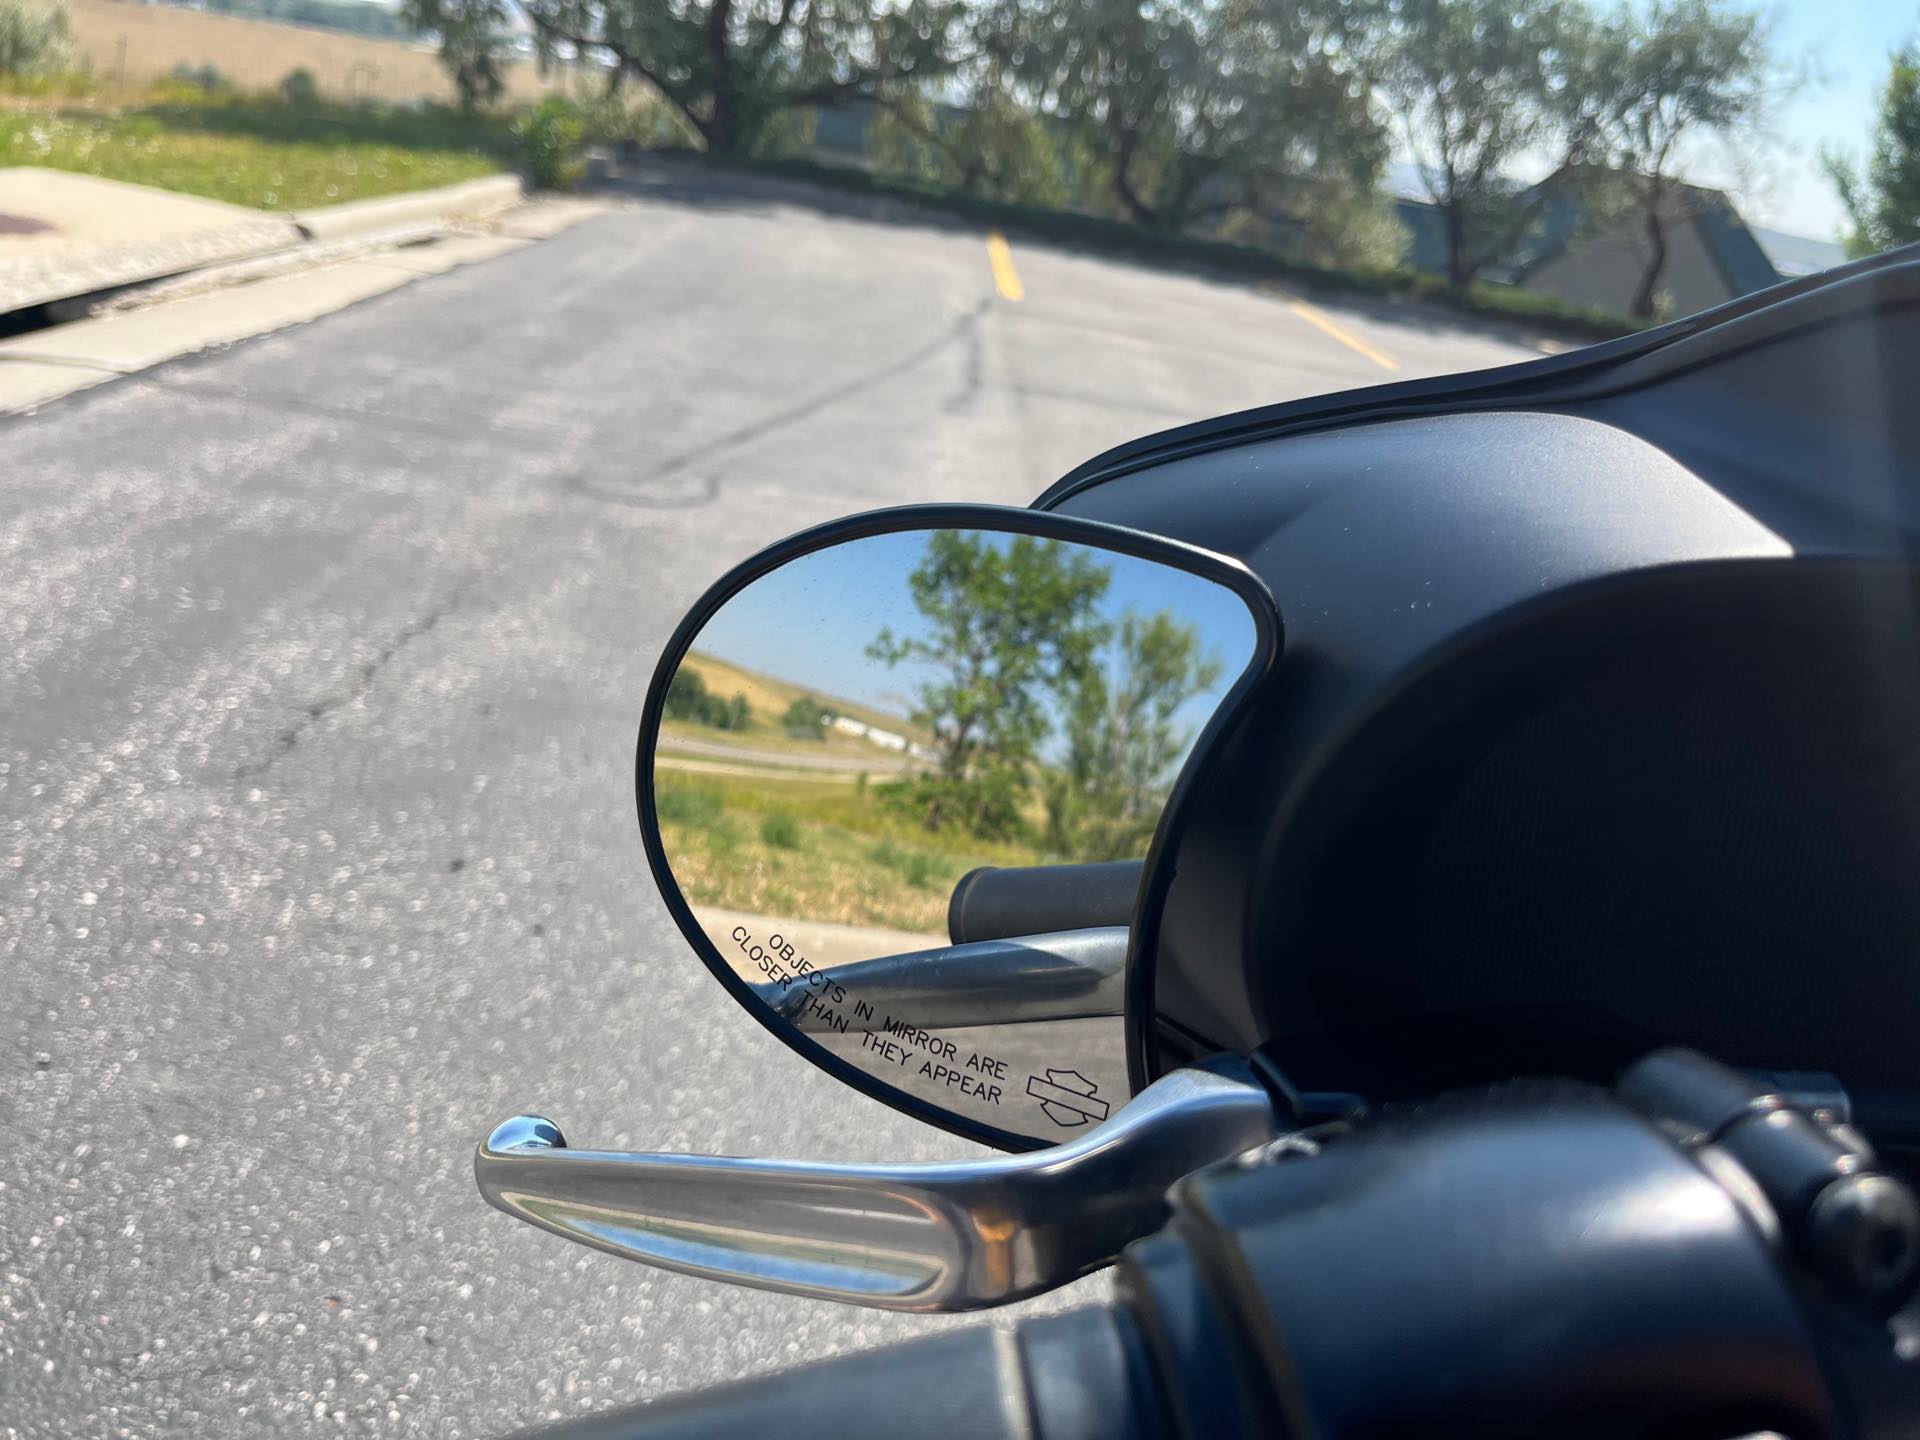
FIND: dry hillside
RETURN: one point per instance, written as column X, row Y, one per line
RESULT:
column 770, row 697
column 127, row 42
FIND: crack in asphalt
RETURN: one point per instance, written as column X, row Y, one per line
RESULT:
column 963, row 329
column 973, row 378
column 318, row 710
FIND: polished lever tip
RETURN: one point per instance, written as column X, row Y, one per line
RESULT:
column 526, row 1132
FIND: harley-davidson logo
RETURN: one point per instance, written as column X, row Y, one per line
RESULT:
column 1068, row 1098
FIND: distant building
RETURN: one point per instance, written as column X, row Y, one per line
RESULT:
column 872, row 734
column 1572, row 255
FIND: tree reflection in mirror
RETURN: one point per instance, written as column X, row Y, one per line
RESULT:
column 854, row 731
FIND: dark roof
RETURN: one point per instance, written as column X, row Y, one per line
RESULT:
column 1742, row 264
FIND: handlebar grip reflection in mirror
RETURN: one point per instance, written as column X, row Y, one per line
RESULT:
column 994, row 902
column 954, row 1235
column 1071, row 975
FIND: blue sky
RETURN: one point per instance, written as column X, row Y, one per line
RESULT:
column 1844, row 44
column 809, row 623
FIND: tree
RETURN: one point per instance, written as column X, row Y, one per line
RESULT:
column 1007, row 622
column 732, row 68
column 688, row 698
column 1199, row 108
column 1884, row 205
column 1122, row 739
column 34, row 39
column 472, row 33
column 1476, row 85
column 1656, row 78
column 805, row 718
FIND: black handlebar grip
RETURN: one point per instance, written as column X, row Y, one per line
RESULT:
column 1059, row 1377
column 992, row 904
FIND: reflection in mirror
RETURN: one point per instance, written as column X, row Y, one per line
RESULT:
column 854, row 731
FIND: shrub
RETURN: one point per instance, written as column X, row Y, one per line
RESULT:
column 612, row 119
column 297, row 87
column 993, row 148
column 781, row 831
column 34, row 39
column 550, row 136
column 696, row 805
column 207, row 78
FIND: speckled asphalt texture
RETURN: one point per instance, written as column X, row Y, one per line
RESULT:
column 320, row 663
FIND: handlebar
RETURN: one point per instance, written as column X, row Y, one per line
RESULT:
column 1687, row 1254
column 1058, row 1377
column 992, row 903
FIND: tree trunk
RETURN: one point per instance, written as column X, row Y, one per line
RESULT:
column 722, row 130
column 1177, row 210
column 1137, row 208
column 1459, row 268
column 1656, row 260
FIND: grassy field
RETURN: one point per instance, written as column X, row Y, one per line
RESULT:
column 814, row 850
column 126, row 44
column 255, row 150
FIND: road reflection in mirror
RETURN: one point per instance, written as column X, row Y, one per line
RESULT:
column 854, row 731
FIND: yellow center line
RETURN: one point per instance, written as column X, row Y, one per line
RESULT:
column 1006, row 279
column 1321, row 322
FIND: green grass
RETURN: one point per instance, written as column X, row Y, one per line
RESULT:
column 257, row 150
column 781, row 831
column 813, row 851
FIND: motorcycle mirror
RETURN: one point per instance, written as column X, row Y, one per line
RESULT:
column 902, row 779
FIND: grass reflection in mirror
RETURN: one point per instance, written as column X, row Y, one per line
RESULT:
column 843, row 853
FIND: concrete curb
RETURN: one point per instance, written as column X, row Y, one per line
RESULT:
column 147, row 324
column 44, row 279
column 304, row 256
column 476, row 198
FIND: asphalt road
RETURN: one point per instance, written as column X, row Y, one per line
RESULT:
column 320, row 661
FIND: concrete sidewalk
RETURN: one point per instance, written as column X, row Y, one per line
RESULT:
column 64, row 235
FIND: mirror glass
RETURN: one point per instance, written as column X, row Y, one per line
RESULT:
column 855, row 731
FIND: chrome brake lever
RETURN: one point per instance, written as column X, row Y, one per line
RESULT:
column 955, row 1235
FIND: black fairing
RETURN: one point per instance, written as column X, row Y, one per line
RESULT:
column 1596, row 723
